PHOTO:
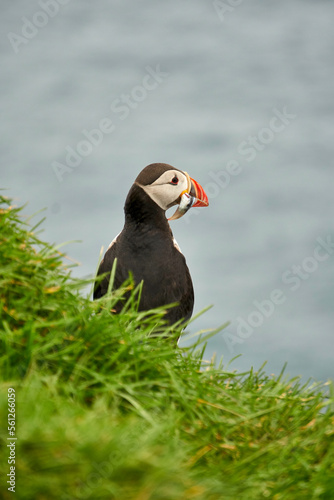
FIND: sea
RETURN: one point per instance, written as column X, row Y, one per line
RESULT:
column 238, row 94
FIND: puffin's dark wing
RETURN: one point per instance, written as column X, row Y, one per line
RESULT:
column 180, row 290
column 165, row 274
column 101, row 288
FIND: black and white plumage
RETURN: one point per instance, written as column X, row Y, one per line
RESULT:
column 146, row 246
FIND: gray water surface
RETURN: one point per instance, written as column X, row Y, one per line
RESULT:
column 243, row 101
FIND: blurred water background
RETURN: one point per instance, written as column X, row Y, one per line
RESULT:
column 240, row 95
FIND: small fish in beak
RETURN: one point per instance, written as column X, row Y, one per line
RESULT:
column 185, row 204
column 194, row 196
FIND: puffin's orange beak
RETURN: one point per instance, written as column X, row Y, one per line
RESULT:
column 197, row 192
column 193, row 196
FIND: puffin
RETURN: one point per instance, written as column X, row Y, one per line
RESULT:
column 146, row 248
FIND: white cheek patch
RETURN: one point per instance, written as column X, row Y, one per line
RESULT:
column 162, row 192
column 157, row 194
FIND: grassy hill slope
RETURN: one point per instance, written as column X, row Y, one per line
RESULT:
column 107, row 408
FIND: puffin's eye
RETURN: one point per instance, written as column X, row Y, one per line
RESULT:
column 175, row 180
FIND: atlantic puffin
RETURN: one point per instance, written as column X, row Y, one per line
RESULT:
column 146, row 246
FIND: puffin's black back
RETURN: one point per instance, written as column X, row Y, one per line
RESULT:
column 146, row 248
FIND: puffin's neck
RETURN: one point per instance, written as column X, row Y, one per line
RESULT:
column 141, row 210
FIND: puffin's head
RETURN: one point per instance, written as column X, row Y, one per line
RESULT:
column 167, row 186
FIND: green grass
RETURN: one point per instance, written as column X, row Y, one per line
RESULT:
column 107, row 408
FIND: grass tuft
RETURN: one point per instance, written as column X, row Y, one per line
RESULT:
column 107, row 408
